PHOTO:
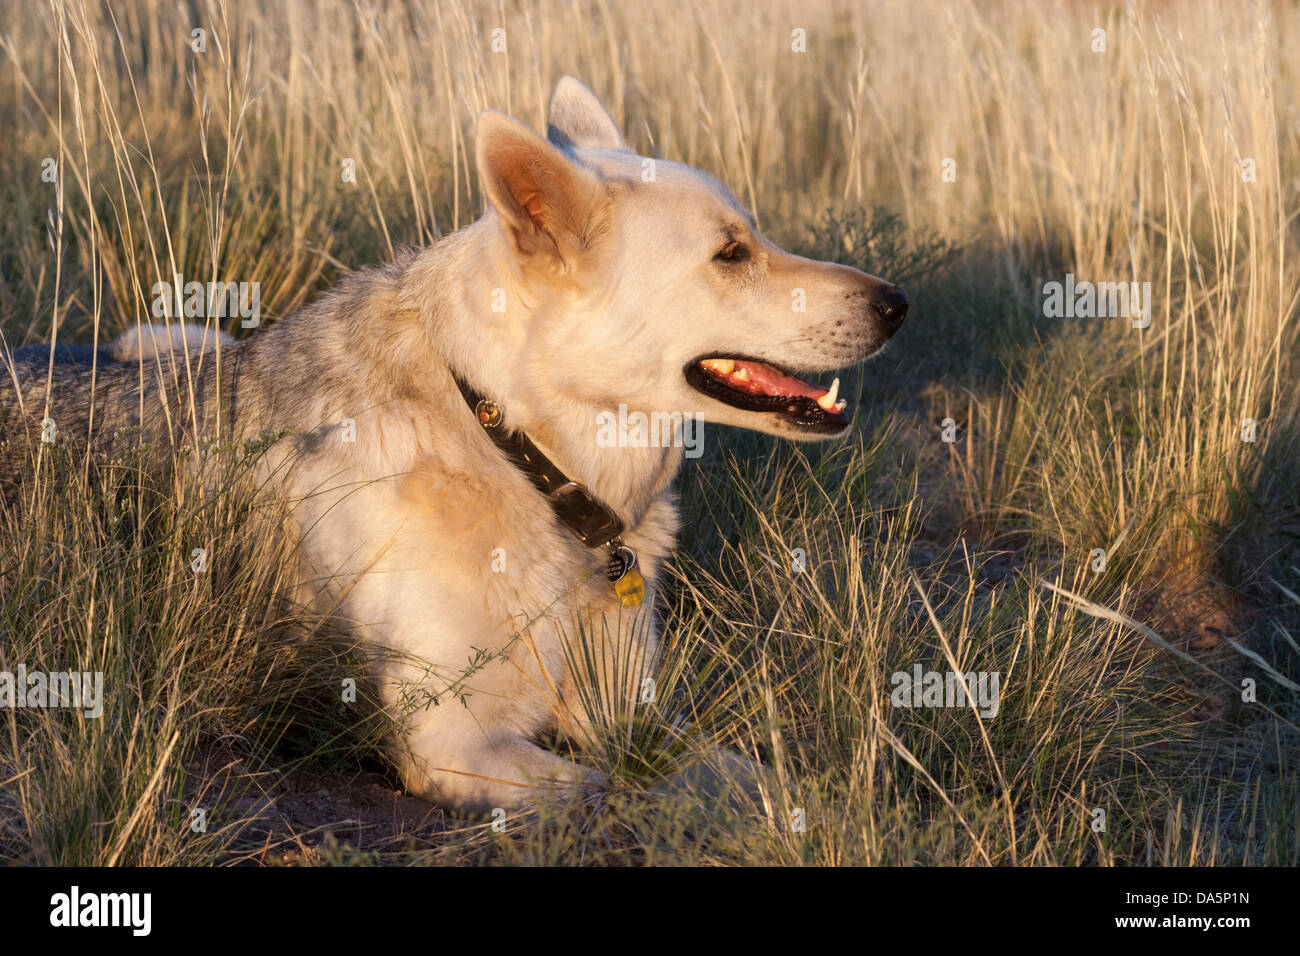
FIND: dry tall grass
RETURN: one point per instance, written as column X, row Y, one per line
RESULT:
column 1072, row 435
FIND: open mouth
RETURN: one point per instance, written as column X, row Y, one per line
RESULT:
column 755, row 386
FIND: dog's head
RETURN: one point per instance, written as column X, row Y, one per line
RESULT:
column 648, row 284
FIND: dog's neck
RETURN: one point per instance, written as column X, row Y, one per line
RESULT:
column 453, row 283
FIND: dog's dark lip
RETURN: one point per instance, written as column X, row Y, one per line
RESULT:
column 802, row 412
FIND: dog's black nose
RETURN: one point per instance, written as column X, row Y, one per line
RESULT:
column 891, row 305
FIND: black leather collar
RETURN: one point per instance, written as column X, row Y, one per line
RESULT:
column 594, row 524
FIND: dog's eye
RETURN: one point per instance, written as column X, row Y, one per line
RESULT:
column 733, row 251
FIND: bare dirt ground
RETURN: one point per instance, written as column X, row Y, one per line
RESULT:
column 288, row 819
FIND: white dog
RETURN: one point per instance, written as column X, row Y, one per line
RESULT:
column 454, row 503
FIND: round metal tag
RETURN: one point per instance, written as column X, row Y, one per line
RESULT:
column 488, row 412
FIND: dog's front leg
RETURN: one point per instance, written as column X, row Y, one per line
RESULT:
column 466, row 729
column 448, row 758
column 469, row 677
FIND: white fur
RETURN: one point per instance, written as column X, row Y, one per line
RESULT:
column 150, row 341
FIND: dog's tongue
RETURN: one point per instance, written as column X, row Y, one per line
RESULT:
column 768, row 381
column 759, row 379
column 756, row 378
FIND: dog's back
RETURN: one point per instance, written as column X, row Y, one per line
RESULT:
column 62, row 392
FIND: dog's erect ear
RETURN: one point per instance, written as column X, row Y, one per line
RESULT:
column 578, row 118
column 549, row 204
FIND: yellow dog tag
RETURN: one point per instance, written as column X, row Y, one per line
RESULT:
column 622, row 572
column 630, row 588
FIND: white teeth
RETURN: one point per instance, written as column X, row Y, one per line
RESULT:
column 828, row 402
column 722, row 366
column 742, row 375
